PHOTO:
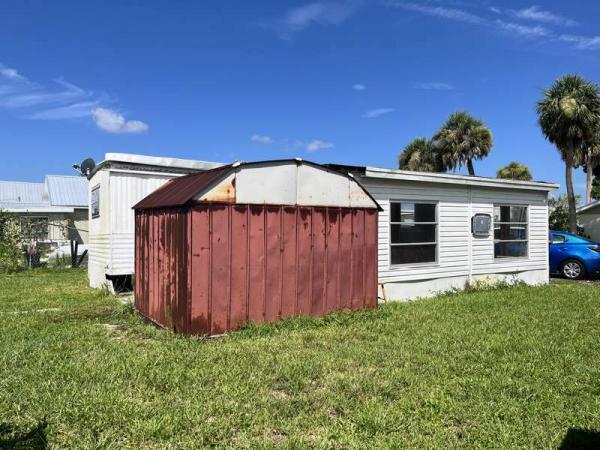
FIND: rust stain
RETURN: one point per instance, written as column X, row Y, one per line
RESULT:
column 214, row 267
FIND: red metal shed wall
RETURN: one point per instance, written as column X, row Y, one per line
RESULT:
column 262, row 263
column 161, row 259
column 215, row 267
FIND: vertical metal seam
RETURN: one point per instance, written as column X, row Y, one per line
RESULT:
column 210, row 258
column 364, row 293
column 281, row 250
column 296, row 268
column 230, row 262
column 338, row 303
column 311, row 265
column 326, row 262
column 352, row 281
column 247, row 286
column 264, row 277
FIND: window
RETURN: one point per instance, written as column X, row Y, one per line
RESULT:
column 510, row 231
column 557, row 239
column 413, row 232
column 35, row 228
column 96, row 202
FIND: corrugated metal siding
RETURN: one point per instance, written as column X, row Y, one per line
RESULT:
column 67, row 190
column 225, row 265
column 15, row 194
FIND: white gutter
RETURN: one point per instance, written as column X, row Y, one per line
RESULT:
column 444, row 178
column 588, row 206
column 41, row 209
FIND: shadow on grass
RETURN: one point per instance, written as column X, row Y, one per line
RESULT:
column 580, row 439
column 12, row 438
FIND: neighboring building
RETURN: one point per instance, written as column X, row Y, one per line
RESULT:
column 589, row 219
column 53, row 212
column 115, row 185
column 426, row 241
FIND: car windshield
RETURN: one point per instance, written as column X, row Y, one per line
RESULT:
column 571, row 238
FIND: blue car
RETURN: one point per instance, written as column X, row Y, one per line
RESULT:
column 573, row 256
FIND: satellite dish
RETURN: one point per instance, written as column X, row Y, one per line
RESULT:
column 86, row 167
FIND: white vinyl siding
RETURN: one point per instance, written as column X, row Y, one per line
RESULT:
column 459, row 253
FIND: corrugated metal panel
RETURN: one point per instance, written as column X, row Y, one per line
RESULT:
column 16, row 193
column 215, row 267
column 66, row 190
column 285, row 182
column 179, row 191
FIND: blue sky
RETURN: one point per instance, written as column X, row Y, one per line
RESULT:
column 333, row 81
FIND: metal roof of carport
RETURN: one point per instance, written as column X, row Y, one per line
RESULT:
column 588, row 207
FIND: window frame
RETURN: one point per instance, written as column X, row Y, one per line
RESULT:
column 28, row 218
column 527, row 224
column 94, row 189
column 435, row 262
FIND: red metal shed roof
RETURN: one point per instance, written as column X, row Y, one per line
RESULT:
column 180, row 190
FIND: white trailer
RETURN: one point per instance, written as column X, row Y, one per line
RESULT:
column 116, row 184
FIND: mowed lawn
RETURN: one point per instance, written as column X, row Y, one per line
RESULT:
column 503, row 368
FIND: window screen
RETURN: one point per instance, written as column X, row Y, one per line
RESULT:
column 511, row 233
column 96, row 202
column 413, row 232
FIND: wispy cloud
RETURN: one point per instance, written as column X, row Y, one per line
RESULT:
column 433, row 86
column 11, row 74
column 460, row 15
column 113, row 122
column 317, row 145
column 495, row 10
column 61, row 100
column 72, row 111
column 372, row 114
column 538, row 14
column 524, row 30
column 317, row 13
column 359, row 87
column 261, row 139
column 582, row 42
column 285, row 144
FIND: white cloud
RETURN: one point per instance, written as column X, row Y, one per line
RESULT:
column 11, row 74
column 321, row 13
column 359, row 87
column 377, row 112
column 36, row 96
column 537, row 14
column 434, row 86
column 523, row 30
column 261, row 139
column 459, row 15
column 317, row 145
column 113, row 122
column 582, row 42
column 495, row 10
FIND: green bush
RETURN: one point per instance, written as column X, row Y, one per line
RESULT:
column 11, row 254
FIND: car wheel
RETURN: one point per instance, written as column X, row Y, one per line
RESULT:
column 572, row 269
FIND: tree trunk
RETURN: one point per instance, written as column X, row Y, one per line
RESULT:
column 571, row 193
column 470, row 167
column 589, row 176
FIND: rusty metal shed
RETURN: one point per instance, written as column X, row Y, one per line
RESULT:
column 254, row 242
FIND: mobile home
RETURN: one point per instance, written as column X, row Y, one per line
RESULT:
column 438, row 232
column 115, row 185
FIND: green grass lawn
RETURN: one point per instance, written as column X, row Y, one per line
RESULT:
column 503, row 368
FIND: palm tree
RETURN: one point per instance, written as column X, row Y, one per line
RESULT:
column 514, row 171
column 462, row 139
column 420, row 156
column 568, row 115
column 591, row 162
